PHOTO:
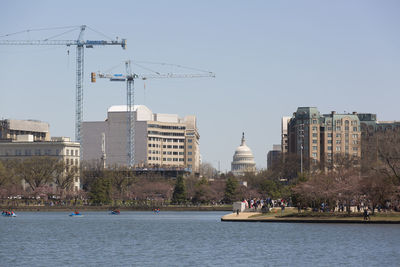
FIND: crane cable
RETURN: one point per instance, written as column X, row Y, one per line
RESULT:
column 39, row 29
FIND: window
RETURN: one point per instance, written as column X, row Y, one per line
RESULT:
column 314, row 148
column 175, row 147
column 314, row 155
column 355, row 142
column 346, row 128
column 338, row 141
column 338, row 128
column 355, row 148
column 338, row 148
column 67, row 152
column 149, row 158
column 37, row 152
column 190, row 146
column 315, row 141
column 314, row 135
column 354, row 129
column 329, row 141
column 175, row 159
column 330, row 135
column 175, row 153
column 338, row 135
column 314, row 128
column 181, row 147
column 189, row 159
column 189, row 153
column 329, row 128
column 314, row 121
column 329, row 147
column 190, row 140
column 355, row 136
column 164, row 146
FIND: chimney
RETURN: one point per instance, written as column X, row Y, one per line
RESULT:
column 354, row 112
column 333, row 112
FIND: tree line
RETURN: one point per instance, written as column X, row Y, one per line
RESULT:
column 373, row 180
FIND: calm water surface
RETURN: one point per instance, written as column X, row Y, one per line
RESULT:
column 189, row 239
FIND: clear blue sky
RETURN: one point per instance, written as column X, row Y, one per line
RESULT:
column 269, row 57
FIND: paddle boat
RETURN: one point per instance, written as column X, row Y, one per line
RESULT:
column 115, row 212
column 7, row 213
column 76, row 214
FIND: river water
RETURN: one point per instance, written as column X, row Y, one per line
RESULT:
column 189, row 239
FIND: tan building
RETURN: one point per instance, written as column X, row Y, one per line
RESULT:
column 24, row 146
column 10, row 129
column 317, row 138
column 161, row 140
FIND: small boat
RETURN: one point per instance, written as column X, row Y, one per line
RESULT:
column 76, row 214
column 8, row 214
column 115, row 212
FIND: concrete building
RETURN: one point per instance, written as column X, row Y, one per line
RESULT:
column 161, row 140
column 284, row 135
column 243, row 159
column 274, row 156
column 10, row 129
column 319, row 137
column 24, row 146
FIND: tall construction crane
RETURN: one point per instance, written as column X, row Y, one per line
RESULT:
column 80, row 45
column 129, row 77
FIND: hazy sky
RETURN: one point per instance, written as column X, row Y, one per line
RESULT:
column 269, row 57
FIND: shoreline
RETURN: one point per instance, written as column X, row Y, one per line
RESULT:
column 249, row 217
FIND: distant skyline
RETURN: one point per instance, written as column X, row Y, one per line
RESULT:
column 269, row 57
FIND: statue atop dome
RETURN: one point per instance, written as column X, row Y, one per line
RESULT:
column 243, row 159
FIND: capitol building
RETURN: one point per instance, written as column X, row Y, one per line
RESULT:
column 243, row 160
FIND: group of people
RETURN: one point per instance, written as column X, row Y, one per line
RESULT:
column 257, row 204
column 156, row 211
column 8, row 213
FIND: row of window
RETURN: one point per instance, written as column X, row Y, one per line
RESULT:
column 167, row 159
column 168, row 152
column 71, row 162
column 166, row 127
column 38, row 152
column 166, row 146
column 339, row 148
column 165, row 134
column 166, row 140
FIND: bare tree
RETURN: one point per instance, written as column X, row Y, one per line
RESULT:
column 38, row 171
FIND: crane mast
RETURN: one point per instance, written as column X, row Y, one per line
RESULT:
column 129, row 77
column 80, row 45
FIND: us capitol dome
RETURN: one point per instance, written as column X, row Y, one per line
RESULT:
column 243, row 159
